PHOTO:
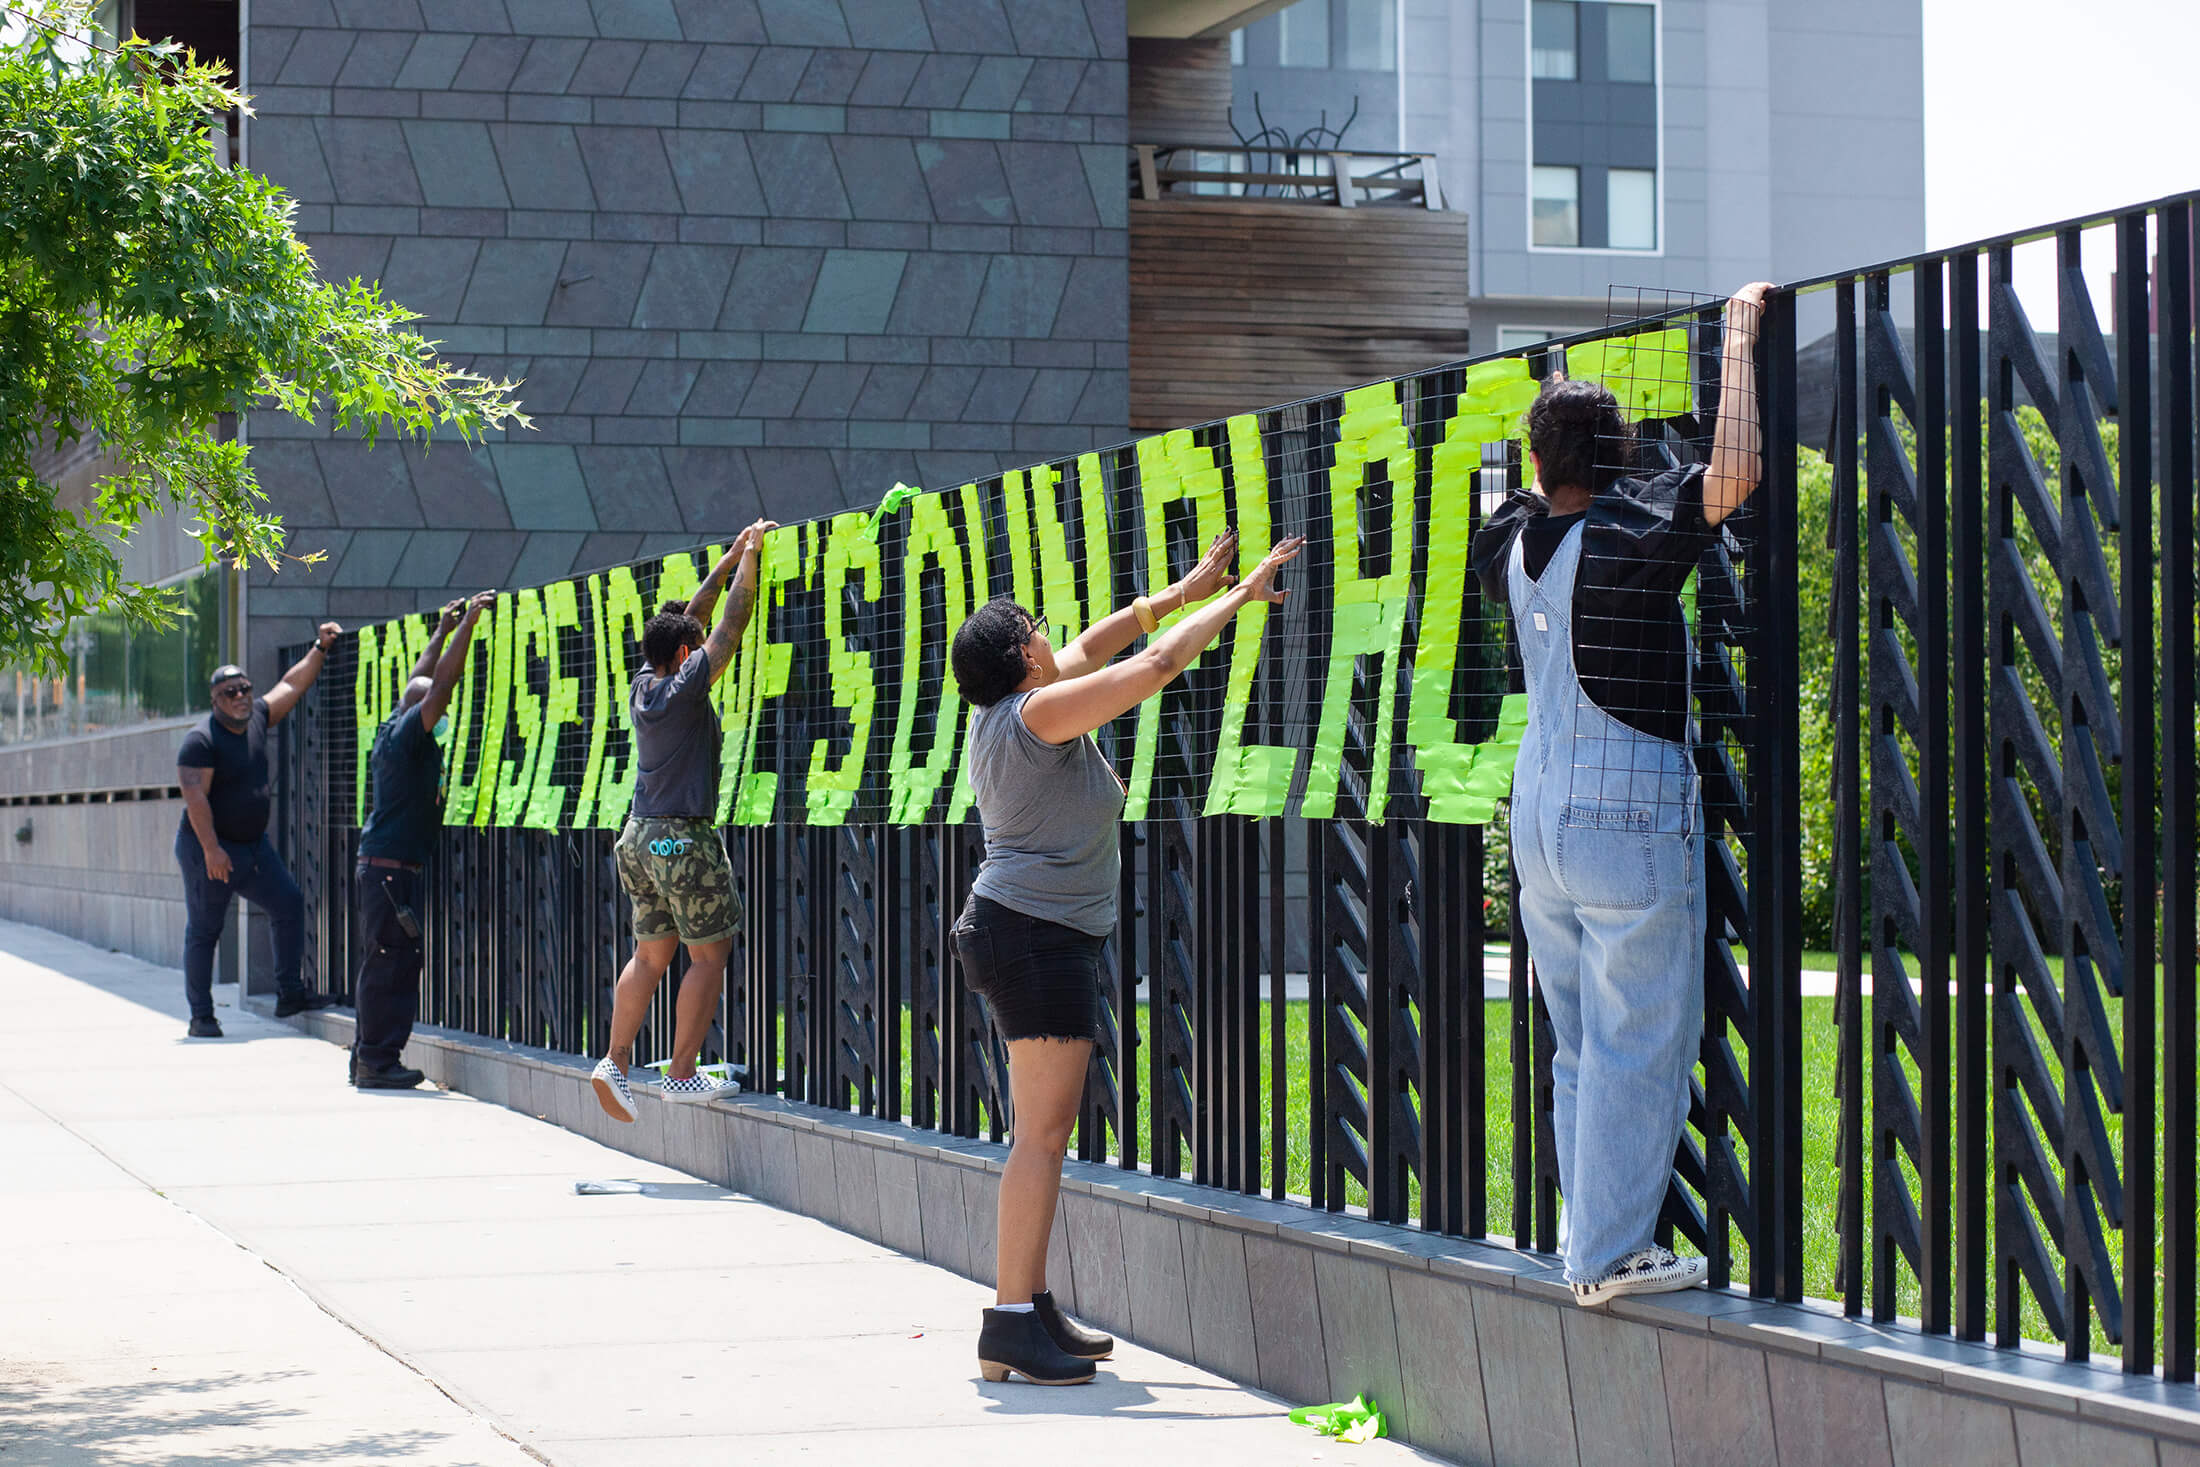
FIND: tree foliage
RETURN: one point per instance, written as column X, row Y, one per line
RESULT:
column 146, row 289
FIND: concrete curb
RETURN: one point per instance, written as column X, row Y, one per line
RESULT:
column 1476, row 1351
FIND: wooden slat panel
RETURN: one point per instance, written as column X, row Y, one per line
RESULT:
column 1238, row 305
column 1180, row 91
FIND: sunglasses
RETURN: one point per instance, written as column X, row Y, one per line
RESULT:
column 233, row 690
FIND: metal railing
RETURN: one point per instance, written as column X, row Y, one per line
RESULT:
column 1334, row 176
column 2013, row 668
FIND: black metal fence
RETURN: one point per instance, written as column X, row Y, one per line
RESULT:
column 2013, row 669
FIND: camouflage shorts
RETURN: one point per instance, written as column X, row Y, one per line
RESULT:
column 676, row 872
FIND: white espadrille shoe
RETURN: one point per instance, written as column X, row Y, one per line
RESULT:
column 1651, row 1270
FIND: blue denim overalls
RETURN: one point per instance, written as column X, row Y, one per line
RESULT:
column 1605, row 835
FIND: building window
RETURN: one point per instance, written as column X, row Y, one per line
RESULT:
column 118, row 675
column 1370, row 35
column 1557, row 206
column 1631, row 208
column 1630, row 43
column 1555, row 53
column 1512, row 338
column 1302, row 35
column 1593, row 111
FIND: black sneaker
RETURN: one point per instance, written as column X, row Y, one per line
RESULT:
column 396, row 1077
column 204, row 1029
column 303, row 1002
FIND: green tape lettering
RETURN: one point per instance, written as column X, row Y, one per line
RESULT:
column 764, row 671
column 965, row 794
column 1248, row 779
column 363, row 704
column 1171, row 467
column 911, row 785
column 624, row 618
column 516, row 777
column 1369, row 616
column 831, row 791
column 561, row 706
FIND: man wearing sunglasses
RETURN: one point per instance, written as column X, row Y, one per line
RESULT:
column 222, row 843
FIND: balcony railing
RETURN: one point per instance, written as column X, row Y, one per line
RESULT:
column 1344, row 179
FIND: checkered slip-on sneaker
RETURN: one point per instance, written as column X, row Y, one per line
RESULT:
column 695, row 1089
column 611, row 1090
column 1651, row 1270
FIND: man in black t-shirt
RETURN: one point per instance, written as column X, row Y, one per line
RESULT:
column 222, row 843
column 393, row 851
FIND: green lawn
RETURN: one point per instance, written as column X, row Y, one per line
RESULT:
column 1821, row 1115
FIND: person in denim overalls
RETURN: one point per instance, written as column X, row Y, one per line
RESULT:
column 1607, row 832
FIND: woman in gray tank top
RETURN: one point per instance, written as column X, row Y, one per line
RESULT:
column 1043, row 901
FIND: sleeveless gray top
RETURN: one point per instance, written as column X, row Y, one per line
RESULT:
column 1050, row 813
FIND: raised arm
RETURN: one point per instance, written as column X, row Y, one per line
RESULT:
column 1066, row 709
column 1100, row 642
column 1737, row 455
column 705, row 599
column 433, row 653
column 453, row 661
column 733, row 619
column 284, row 695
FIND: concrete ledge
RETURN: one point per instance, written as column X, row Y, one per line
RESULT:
column 1476, row 1351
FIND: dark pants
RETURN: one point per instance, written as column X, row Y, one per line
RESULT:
column 258, row 875
column 388, row 991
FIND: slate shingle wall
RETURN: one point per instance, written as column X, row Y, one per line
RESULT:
column 750, row 256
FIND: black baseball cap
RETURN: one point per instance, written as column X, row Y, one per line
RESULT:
column 224, row 673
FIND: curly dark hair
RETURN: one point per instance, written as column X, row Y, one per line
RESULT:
column 1579, row 437
column 988, row 655
column 667, row 632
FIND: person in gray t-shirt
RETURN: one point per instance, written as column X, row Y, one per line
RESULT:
column 1043, row 900
column 672, row 860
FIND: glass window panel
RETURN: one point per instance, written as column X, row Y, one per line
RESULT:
column 1512, row 337
column 1371, row 35
column 1237, row 47
column 1557, row 206
column 1552, row 47
column 1630, row 43
column 203, row 599
column 1302, row 34
column 1631, row 198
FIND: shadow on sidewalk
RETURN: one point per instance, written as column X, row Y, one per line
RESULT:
column 49, row 1414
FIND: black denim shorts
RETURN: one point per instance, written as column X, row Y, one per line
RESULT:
column 1040, row 979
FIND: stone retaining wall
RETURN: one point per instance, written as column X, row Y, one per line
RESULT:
column 1475, row 1352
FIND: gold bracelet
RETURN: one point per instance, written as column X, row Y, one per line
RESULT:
column 1143, row 610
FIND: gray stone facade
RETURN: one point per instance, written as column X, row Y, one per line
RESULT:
column 749, row 257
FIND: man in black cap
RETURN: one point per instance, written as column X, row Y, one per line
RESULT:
column 222, row 842
column 393, row 851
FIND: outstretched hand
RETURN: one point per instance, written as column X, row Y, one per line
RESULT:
column 448, row 621
column 1213, row 571
column 483, row 600
column 1260, row 584
column 751, row 540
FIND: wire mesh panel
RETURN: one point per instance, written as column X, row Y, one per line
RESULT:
column 1307, row 805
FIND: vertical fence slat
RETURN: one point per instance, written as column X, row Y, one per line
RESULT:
column 2180, row 787
column 1775, row 879
column 1849, row 1014
column 1969, row 890
column 1927, row 283
column 2135, row 483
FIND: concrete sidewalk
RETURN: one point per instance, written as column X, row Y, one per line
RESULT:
column 223, row 1255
